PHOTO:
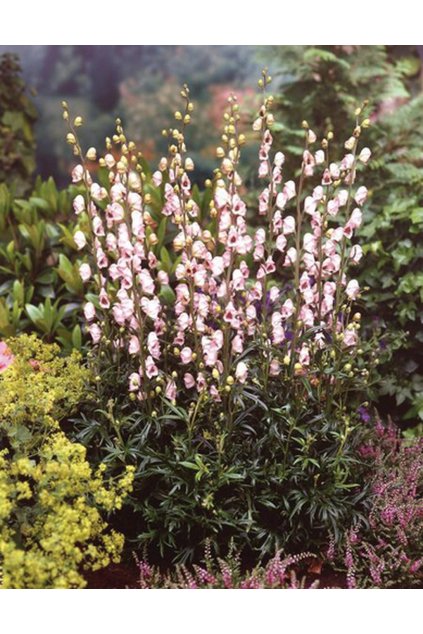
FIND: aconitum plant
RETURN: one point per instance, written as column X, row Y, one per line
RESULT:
column 226, row 278
column 239, row 340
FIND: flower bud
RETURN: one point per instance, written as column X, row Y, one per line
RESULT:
column 91, row 154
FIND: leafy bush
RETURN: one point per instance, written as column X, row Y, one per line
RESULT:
column 17, row 118
column 329, row 81
column 229, row 371
column 51, row 528
column 41, row 290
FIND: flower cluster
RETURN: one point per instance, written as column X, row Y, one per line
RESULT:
column 190, row 324
column 279, row 573
column 387, row 552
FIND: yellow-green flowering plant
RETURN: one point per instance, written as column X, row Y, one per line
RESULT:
column 52, row 503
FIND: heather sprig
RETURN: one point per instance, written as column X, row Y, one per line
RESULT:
column 279, row 573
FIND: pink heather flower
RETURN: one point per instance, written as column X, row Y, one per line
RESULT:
column 361, row 195
column 241, row 372
column 89, row 311
column 80, row 239
column 189, row 380
column 134, row 345
column 150, row 367
column 170, row 390
column 342, row 197
column 186, row 355
column 364, row 155
column 134, row 382
column 6, row 356
column 95, row 332
column 85, row 272
column 353, row 289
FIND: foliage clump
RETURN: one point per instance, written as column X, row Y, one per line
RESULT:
column 17, row 119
